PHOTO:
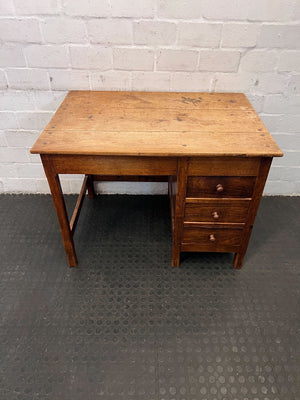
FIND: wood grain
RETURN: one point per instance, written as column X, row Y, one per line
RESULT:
column 257, row 194
column 156, row 143
column 156, row 124
column 61, row 211
column 112, row 166
column 224, row 237
column 204, row 247
column 157, row 120
column 90, row 186
column 130, row 178
column 179, row 210
column 212, row 147
column 78, row 206
column 172, row 191
column 186, row 100
column 217, row 211
column 223, row 166
column 233, row 186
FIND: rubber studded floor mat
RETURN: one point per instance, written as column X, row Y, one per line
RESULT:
column 124, row 324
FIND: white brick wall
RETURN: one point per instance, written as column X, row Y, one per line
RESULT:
column 259, row 60
column 65, row 79
column 20, row 30
column 16, row 100
column 111, row 80
column 133, row 59
column 177, row 60
column 6, row 7
column 280, row 36
column 178, row 9
column 271, row 82
column 8, row 120
column 225, row 10
column 110, row 31
column 133, row 8
column 154, row 33
column 294, row 84
column 159, row 81
column 49, row 47
column 47, row 56
column 11, row 55
column 63, row 30
column 271, row 10
column 27, row 78
column 87, row 8
column 240, row 35
column 3, row 80
column 199, row 34
column 187, row 81
column 289, row 61
column 219, row 60
column 35, row 7
column 91, row 57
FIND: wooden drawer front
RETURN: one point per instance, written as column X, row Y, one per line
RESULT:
column 220, row 186
column 234, row 211
column 112, row 165
column 212, row 238
column 224, row 166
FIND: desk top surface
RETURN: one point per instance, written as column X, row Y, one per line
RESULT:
column 156, row 124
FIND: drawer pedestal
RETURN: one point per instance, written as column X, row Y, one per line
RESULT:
column 214, row 203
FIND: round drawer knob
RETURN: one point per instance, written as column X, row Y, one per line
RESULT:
column 215, row 215
column 219, row 188
column 212, row 238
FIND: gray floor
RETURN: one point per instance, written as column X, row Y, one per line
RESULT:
column 125, row 325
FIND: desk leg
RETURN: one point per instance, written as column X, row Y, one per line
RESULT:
column 90, row 186
column 256, row 197
column 179, row 210
column 59, row 203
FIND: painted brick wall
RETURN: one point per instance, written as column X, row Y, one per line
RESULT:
column 48, row 47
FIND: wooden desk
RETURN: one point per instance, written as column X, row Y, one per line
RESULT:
column 211, row 147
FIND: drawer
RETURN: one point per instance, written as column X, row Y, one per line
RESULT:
column 211, row 238
column 224, row 166
column 232, row 210
column 220, row 186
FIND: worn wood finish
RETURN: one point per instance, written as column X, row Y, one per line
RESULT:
column 156, row 124
column 179, row 210
column 224, row 200
column 131, row 178
column 204, row 224
column 158, row 144
column 258, row 191
column 217, row 211
column 203, row 247
column 78, row 205
column 223, row 166
column 90, row 186
column 220, row 186
column 149, row 100
column 155, row 120
column 223, row 237
column 212, row 148
column 172, row 191
column 62, row 216
column 112, row 166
